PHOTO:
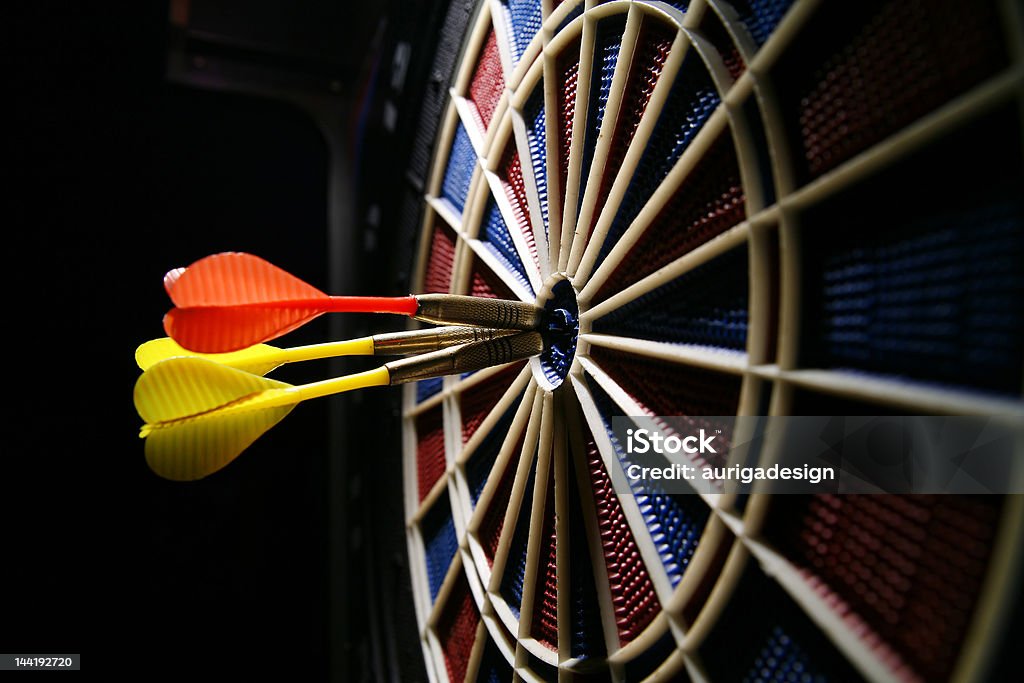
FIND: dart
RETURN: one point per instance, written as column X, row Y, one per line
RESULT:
column 232, row 300
column 200, row 415
column 260, row 359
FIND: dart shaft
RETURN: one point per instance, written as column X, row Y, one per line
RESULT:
column 403, row 305
column 378, row 377
column 362, row 346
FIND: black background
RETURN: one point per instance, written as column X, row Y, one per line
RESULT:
column 116, row 176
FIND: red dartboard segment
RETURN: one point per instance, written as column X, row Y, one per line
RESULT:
column 438, row 276
column 709, row 202
column 515, row 191
column 456, row 629
column 653, row 46
column 893, row 86
column 633, row 597
column 488, row 82
column 493, row 520
column 662, row 389
column 486, row 283
column 430, row 458
column 568, row 74
column 477, row 402
column 545, row 597
column 894, row 562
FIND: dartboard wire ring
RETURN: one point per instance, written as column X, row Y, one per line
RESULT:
column 784, row 381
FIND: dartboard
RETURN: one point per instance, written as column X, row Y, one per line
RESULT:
column 743, row 207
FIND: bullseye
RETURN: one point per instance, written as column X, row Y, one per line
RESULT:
column 560, row 330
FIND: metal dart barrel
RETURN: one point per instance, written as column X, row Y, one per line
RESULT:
column 467, row 358
column 449, row 309
column 433, row 339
